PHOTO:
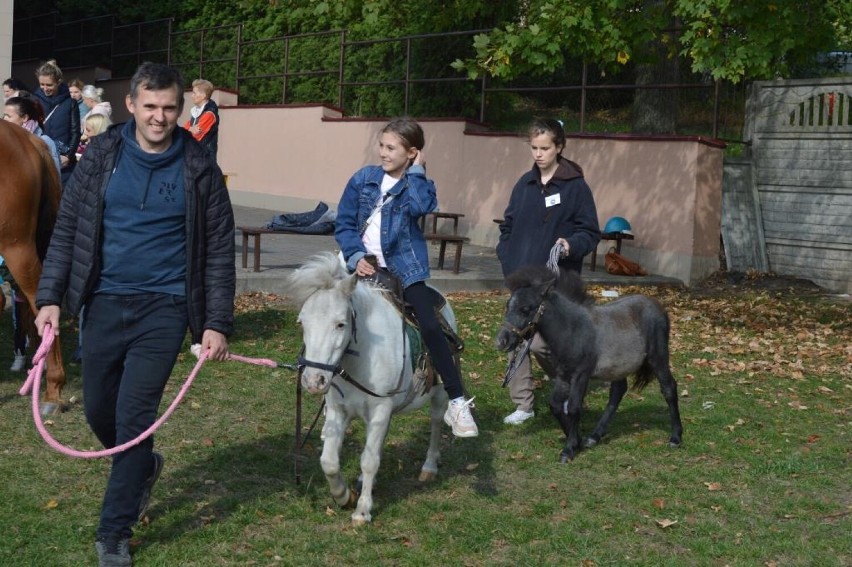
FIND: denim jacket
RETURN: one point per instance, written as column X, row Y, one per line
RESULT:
column 403, row 245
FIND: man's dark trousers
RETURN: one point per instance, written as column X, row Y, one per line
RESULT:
column 130, row 345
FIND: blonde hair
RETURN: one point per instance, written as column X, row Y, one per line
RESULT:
column 205, row 86
column 90, row 91
column 50, row 69
column 98, row 123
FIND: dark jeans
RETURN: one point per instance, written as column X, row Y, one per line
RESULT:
column 130, row 345
column 420, row 298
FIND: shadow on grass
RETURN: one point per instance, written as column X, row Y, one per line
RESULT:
column 260, row 473
column 633, row 416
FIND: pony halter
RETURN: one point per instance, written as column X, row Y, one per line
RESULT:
column 529, row 329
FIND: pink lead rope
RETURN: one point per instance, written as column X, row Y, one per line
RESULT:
column 34, row 380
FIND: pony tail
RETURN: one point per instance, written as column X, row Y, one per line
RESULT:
column 644, row 376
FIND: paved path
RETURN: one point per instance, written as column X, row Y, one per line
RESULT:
column 480, row 269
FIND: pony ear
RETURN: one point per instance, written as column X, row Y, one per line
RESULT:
column 544, row 285
column 347, row 285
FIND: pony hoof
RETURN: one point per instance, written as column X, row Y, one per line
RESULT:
column 353, row 499
column 674, row 444
column 427, row 476
column 51, row 408
column 359, row 521
column 590, row 442
column 565, row 457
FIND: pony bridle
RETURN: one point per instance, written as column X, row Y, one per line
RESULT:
column 335, row 369
column 529, row 329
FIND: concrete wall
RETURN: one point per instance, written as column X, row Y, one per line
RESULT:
column 801, row 133
column 289, row 158
column 6, row 20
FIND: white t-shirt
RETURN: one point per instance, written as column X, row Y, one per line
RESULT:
column 372, row 237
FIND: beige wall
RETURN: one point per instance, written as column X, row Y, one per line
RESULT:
column 6, row 19
column 289, row 158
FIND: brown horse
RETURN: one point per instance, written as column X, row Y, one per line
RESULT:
column 29, row 199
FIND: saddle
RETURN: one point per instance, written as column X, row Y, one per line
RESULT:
column 422, row 361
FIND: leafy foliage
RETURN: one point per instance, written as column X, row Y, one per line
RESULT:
column 728, row 40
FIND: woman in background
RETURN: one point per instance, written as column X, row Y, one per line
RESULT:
column 94, row 102
column 62, row 115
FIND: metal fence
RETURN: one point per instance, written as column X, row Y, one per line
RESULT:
column 390, row 76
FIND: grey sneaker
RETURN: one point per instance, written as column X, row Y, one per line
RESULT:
column 18, row 362
column 113, row 551
column 518, row 416
column 149, row 484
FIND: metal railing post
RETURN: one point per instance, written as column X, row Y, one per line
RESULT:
column 340, row 75
column 407, row 72
column 583, row 99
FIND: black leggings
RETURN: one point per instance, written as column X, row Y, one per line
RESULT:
column 420, row 298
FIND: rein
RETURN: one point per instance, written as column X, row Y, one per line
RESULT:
column 34, row 380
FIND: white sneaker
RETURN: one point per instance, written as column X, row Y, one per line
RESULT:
column 18, row 363
column 459, row 418
column 518, row 416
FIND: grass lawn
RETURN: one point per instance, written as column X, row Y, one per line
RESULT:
column 762, row 477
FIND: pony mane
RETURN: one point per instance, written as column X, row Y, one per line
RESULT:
column 321, row 271
column 568, row 283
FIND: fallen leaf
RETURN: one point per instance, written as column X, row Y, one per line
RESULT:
column 472, row 466
column 713, row 486
column 666, row 523
column 51, row 504
column 329, row 511
column 659, row 503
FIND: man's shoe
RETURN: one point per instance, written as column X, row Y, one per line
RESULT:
column 459, row 418
column 18, row 363
column 518, row 416
column 149, row 484
column 113, row 551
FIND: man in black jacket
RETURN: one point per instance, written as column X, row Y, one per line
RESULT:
column 144, row 243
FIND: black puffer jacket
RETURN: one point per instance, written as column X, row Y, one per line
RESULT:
column 72, row 265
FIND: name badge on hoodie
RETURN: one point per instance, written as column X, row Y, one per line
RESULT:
column 551, row 200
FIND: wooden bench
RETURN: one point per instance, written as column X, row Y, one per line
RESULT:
column 255, row 231
column 617, row 236
column 445, row 238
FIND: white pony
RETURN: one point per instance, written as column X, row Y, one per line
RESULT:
column 356, row 353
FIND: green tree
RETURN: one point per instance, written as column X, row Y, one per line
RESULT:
column 727, row 39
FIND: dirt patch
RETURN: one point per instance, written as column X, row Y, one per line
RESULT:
column 739, row 282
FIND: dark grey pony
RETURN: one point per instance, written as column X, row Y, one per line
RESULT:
column 606, row 342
